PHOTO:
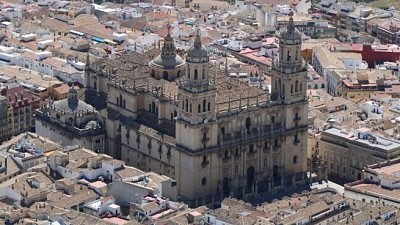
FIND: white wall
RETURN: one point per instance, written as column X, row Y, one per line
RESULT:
column 9, row 193
column 67, row 173
column 351, row 63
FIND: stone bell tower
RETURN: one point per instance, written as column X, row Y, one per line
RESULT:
column 289, row 83
column 196, row 126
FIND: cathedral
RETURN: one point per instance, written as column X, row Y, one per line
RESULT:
column 215, row 135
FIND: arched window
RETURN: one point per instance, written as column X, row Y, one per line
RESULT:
column 175, row 113
column 209, row 106
column 199, row 108
column 153, row 107
column 291, row 88
column 296, row 86
column 183, row 105
column 204, row 181
column 190, row 110
column 195, row 74
column 289, row 57
column 295, row 159
column 248, row 122
column 187, row 105
column 301, row 86
column 203, row 74
column 204, row 105
column 322, row 85
column 188, row 72
column 226, row 154
column 165, row 75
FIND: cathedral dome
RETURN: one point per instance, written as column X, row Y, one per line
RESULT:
column 72, row 104
column 197, row 53
column 291, row 35
column 168, row 61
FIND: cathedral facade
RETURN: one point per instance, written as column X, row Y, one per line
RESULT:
column 217, row 136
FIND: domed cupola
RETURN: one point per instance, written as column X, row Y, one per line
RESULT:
column 290, row 36
column 197, row 53
column 168, row 65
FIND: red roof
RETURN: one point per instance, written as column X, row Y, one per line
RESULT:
column 19, row 97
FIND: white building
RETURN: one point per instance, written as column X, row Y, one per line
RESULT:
column 283, row 9
column 103, row 205
column 374, row 110
column 380, row 183
column 134, row 189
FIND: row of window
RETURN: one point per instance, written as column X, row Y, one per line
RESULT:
column 196, row 74
column 205, row 107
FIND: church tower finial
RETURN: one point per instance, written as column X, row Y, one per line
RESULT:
column 290, row 23
column 197, row 40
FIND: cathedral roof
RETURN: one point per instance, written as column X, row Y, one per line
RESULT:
column 197, row 53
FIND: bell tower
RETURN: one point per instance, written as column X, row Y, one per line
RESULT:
column 289, row 83
column 196, row 126
column 289, row 73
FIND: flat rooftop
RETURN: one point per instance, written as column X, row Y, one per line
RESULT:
column 388, row 146
column 376, row 190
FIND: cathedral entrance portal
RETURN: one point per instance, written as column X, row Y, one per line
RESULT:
column 250, row 178
column 226, row 188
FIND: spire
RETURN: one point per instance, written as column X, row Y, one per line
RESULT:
column 229, row 103
column 226, row 65
column 87, row 60
column 248, row 98
column 290, row 23
column 169, row 46
column 240, row 100
column 197, row 40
